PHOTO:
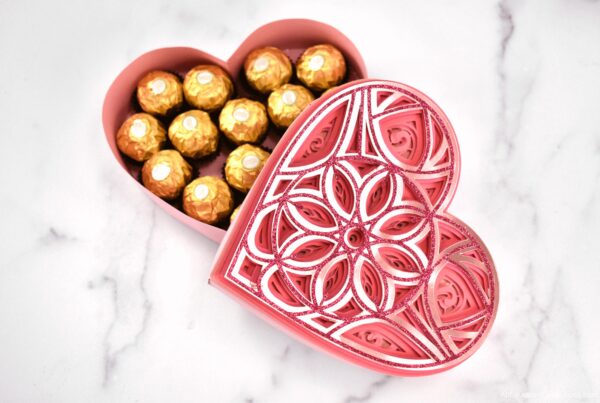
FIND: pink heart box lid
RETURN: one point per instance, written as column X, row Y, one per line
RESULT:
column 344, row 240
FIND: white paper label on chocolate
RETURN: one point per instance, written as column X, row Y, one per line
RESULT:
column 160, row 172
column 241, row 114
column 261, row 64
column 190, row 123
column 250, row 162
column 316, row 62
column 201, row 191
column 158, row 86
column 204, row 77
column 138, row 128
column 289, row 97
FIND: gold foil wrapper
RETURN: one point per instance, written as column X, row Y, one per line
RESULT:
column 207, row 199
column 243, row 121
column 243, row 166
column 267, row 69
column 287, row 102
column 207, row 87
column 141, row 136
column 160, row 93
column 235, row 213
column 166, row 173
column 194, row 134
column 321, row 67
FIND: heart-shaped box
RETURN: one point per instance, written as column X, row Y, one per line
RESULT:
column 292, row 36
column 344, row 240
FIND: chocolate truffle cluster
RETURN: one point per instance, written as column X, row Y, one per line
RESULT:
column 188, row 123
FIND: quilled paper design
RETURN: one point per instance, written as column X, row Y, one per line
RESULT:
column 347, row 242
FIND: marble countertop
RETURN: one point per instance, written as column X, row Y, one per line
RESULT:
column 103, row 296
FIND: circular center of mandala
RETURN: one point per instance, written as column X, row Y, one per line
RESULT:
column 355, row 237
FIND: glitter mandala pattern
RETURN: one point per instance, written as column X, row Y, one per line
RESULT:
column 349, row 244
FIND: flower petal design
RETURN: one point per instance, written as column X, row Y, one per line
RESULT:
column 311, row 214
column 397, row 261
column 308, row 251
column 399, row 223
column 368, row 284
column 339, row 186
column 332, row 281
column 376, row 195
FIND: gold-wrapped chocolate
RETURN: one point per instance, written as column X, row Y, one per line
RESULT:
column 243, row 166
column 160, row 93
column 235, row 213
column 194, row 134
column 243, row 121
column 267, row 69
column 166, row 173
column 286, row 103
column 141, row 136
column 207, row 199
column 207, row 87
column 321, row 67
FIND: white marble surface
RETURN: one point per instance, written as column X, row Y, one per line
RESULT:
column 103, row 296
